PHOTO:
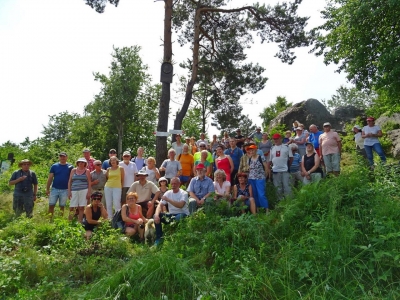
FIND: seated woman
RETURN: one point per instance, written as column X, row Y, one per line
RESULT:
column 310, row 169
column 243, row 193
column 163, row 186
column 133, row 217
column 221, row 185
column 93, row 212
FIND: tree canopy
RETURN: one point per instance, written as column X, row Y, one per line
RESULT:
column 272, row 110
column 362, row 37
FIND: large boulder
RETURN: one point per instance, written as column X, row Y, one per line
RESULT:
column 312, row 111
column 306, row 112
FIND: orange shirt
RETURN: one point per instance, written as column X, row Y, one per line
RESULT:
column 187, row 162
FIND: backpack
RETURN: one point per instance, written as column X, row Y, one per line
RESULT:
column 144, row 161
column 260, row 160
column 117, row 222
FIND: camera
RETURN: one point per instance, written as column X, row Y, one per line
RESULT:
column 25, row 189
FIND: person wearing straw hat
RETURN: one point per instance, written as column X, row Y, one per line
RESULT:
column 25, row 191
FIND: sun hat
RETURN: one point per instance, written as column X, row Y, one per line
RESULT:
column 142, row 172
column 357, row 126
column 81, row 159
column 24, row 161
column 126, row 153
column 85, row 150
column 251, row 147
column 162, row 179
column 327, row 124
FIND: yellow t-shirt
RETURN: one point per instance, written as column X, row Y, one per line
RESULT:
column 114, row 178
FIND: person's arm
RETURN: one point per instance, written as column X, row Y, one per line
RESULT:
column 125, row 218
column 157, row 214
column 267, row 167
column 234, row 192
column 363, row 135
column 70, row 183
column 93, row 182
column 250, row 191
column 89, row 192
column 303, row 169
column 290, row 160
column 162, row 168
column 231, row 163
column 379, row 133
column 179, row 173
column 179, row 204
column 104, row 213
column 193, row 195
column 209, row 170
column 15, row 181
column 339, row 143
column 157, row 173
column 35, row 188
column 49, row 181
column 122, row 176
column 227, row 190
column 88, row 215
column 156, row 196
column 107, row 172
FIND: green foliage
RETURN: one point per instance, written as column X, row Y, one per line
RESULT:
column 350, row 96
column 192, row 122
column 362, row 38
column 272, row 110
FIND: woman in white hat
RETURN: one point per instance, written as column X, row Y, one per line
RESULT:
column 79, row 188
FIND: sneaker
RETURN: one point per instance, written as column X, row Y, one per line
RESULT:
column 158, row 242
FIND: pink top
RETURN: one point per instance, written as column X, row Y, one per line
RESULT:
column 132, row 216
column 329, row 142
column 224, row 165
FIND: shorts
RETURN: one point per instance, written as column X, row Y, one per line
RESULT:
column 184, row 179
column 332, row 162
column 78, row 198
column 57, row 194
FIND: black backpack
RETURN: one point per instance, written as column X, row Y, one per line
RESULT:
column 117, row 222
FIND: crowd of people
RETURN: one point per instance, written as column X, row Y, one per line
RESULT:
column 233, row 169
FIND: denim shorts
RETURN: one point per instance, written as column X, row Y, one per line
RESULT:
column 57, row 194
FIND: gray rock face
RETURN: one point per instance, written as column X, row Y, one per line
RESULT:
column 312, row 111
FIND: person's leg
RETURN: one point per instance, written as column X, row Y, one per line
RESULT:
column 116, row 198
column 130, row 231
column 277, row 180
column 73, row 205
column 80, row 215
column 328, row 163
column 53, row 197
column 192, row 205
column 370, row 156
column 123, row 195
column 286, row 184
column 108, row 196
column 315, row 177
column 252, row 205
column 378, row 149
column 262, row 197
column 253, row 184
column 150, row 210
column 62, row 197
column 18, row 205
column 88, row 234
column 28, row 205
column 336, row 163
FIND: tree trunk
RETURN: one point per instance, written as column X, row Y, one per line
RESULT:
column 195, row 64
column 120, row 137
column 161, row 141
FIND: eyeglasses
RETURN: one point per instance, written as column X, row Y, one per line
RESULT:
column 98, row 199
column 130, row 199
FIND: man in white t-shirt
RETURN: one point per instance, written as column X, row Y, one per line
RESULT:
column 371, row 134
column 177, row 200
column 281, row 157
column 130, row 173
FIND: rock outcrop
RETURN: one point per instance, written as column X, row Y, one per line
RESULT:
column 312, row 111
column 391, row 125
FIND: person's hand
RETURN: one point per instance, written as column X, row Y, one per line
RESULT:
column 200, row 201
column 88, row 195
column 47, row 193
column 156, row 219
column 69, row 195
column 140, row 221
column 99, row 222
column 22, row 178
column 100, row 205
column 95, row 182
column 34, row 198
column 164, row 198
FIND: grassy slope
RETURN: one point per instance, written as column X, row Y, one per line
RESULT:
column 335, row 240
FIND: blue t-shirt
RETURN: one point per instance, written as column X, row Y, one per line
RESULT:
column 314, row 138
column 61, row 175
column 295, row 166
column 236, row 154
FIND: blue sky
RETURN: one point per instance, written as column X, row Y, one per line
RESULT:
column 50, row 49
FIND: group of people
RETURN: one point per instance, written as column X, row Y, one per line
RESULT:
column 233, row 168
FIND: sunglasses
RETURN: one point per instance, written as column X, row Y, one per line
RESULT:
column 98, row 199
column 202, row 146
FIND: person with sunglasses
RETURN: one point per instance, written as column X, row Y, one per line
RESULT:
column 93, row 212
column 99, row 179
column 26, row 185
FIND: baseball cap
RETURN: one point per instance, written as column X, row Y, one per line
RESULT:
column 276, row 136
column 86, row 150
column 327, row 124
column 200, row 166
column 63, row 154
column 112, row 151
column 126, row 153
column 370, row 119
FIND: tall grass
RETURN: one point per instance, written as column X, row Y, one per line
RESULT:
column 338, row 239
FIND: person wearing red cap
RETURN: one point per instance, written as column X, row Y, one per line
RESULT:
column 200, row 188
column 280, row 156
column 371, row 134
